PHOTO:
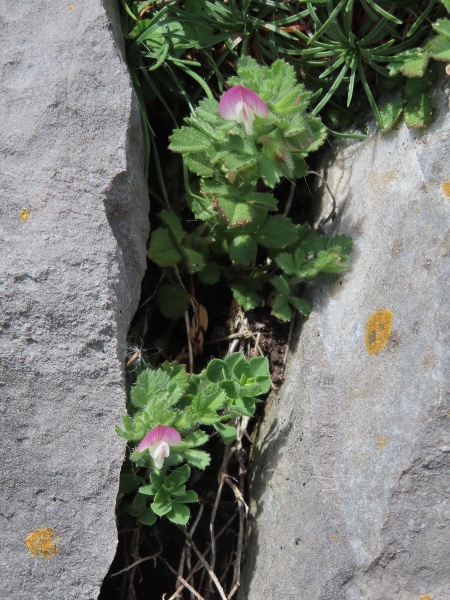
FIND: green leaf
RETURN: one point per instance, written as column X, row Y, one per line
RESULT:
column 398, row 60
column 344, row 242
column 163, row 250
column 303, row 306
column 268, row 171
column 442, row 26
column 291, row 263
column 137, row 506
column 245, row 406
column 216, row 370
column 242, row 370
column 177, row 478
column 173, row 223
column 231, row 388
column 126, row 431
column 277, row 232
column 196, row 261
column 247, row 294
column 329, row 262
column 129, row 482
column 157, row 480
column 208, row 110
column 260, row 370
column 280, row 283
column 235, row 213
column 189, row 139
column 226, row 432
column 161, row 504
column 194, row 439
column 198, row 458
column 199, row 163
column 232, row 359
column 415, row 67
column 179, row 514
column 281, row 308
column 148, row 490
column 172, row 300
column 292, row 102
column 148, row 517
column 210, row 274
column 440, row 48
column 418, row 111
column 414, row 87
column 263, row 200
column 206, row 404
column 188, row 497
column 160, row 388
column 242, row 249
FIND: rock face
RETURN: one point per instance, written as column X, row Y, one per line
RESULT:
column 351, row 469
column 73, row 229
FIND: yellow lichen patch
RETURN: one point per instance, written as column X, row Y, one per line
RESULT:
column 335, row 539
column 446, row 188
column 426, row 597
column 382, row 441
column 43, row 542
column 70, row 7
column 24, row 214
column 378, row 330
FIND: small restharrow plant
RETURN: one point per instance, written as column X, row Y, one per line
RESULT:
column 172, row 415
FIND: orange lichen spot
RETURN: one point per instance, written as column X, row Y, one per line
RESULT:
column 382, row 441
column 43, row 542
column 378, row 330
column 70, row 7
column 446, row 188
column 24, row 214
column 426, row 597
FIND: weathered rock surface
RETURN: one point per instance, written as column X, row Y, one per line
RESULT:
column 71, row 154
column 351, row 472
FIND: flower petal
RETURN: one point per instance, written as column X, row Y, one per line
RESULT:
column 169, row 435
column 159, row 452
column 162, row 432
column 228, row 102
column 241, row 104
column 254, row 102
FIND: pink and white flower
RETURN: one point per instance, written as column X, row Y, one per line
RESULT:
column 158, row 441
column 241, row 105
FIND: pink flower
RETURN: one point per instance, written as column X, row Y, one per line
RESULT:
column 158, row 441
column 241, row 105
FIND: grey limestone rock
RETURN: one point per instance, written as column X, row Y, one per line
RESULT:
column 71, row 154
column 350, row 483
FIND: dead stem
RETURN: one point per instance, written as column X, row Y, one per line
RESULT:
column 240, row 545
column 131, row 592
column 191, row 532
column 287, row 208
column 332, row 214
column 191, row 354
column 204, row 563
column 183, row 581
column 135, row 564
column 205, row 553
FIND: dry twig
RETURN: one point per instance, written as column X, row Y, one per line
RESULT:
column 204, row 563
column 205, row 553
